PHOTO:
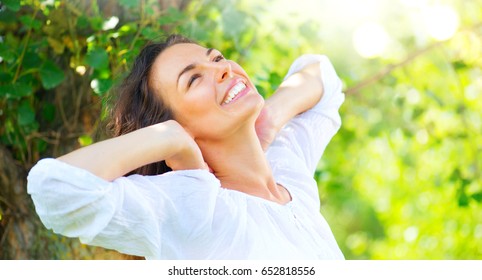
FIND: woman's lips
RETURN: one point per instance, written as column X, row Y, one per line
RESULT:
column 234, row 85
column 240, row 94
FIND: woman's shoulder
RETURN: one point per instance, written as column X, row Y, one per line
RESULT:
column 176, row 183
column 199, row 175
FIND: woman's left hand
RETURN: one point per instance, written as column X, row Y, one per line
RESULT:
column 266, row 128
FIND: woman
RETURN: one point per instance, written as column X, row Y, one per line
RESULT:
column 216, row 172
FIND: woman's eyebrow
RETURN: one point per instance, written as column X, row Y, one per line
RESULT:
column 191, row 66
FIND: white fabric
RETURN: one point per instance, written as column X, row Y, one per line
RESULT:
column 188, row 215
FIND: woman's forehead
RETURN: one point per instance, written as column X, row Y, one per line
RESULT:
column 172, row 60
column 185, row 52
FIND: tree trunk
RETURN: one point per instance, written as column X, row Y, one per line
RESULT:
column 16, row 225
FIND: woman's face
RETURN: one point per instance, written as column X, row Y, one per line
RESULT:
column 210, row 96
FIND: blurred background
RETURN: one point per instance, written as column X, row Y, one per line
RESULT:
column 401, row 180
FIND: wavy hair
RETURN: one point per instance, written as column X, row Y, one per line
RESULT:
column 137, row 105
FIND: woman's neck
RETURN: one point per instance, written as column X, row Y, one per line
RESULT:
column 240, row 164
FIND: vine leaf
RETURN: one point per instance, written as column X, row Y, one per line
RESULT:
column 51, row 75
column 13, row 5
column 26, row 114
column 97, row 58
column 15, row 90
column 31, row 22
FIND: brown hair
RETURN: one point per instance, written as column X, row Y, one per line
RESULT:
column 137, row 104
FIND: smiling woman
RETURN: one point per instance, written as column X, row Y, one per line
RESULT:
column 202, row 88
column 200, row 165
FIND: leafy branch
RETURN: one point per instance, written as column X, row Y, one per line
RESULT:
column 388, row 69
column 22, row 55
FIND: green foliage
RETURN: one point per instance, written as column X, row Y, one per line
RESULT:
column 410, row 148
column 13, row 5
column 402, row 178
column 51, row 75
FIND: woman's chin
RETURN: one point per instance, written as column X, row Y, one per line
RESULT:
column 237, row 115
column 248, row 104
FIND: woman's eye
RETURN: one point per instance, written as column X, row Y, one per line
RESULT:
column 218, row 58
column 192, row 79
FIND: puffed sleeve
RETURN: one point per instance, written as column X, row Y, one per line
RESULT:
column 136, row 215
column 308, row 134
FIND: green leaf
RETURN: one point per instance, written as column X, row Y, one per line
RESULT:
column 82, row 22
column 8, row 16
column 51, row 75
column 96, row 23
column 261, row 90
column 31, row 22
column 459, row 65
column 102, row 73
column 275, row 80
column 173, row 15
column 5, row 77
column 150, row 33
column 13, row 5
column 101, row 86
column 15, row 90
column 128, row 28
column 477, row 196
column 129, row 3
column 5, row 90
column 463, row 199
column 25, row 113
column 7, row 53
column 97, row 58
column 85, row 140
column 31, row 60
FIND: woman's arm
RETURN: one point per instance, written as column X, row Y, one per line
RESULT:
column 298, row 93
column 90, row 198
column 112, row 158
column 305, row 135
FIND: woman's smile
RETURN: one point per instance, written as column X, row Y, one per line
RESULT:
column 238, row 90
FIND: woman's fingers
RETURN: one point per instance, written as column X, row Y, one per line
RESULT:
column 189, row 156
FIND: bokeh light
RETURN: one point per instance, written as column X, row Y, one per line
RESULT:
column 111, row 23
column 370, row 40
column 441, row 21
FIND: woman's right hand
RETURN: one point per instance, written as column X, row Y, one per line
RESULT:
column 188, row 155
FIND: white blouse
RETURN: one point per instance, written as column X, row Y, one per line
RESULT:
column 187, row 214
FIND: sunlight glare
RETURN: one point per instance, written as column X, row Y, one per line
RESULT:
column 441, row 21
column 370, row 40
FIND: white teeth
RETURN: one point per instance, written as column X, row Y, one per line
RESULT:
column 234, row 91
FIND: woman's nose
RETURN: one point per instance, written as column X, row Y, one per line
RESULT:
column 223, row 71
